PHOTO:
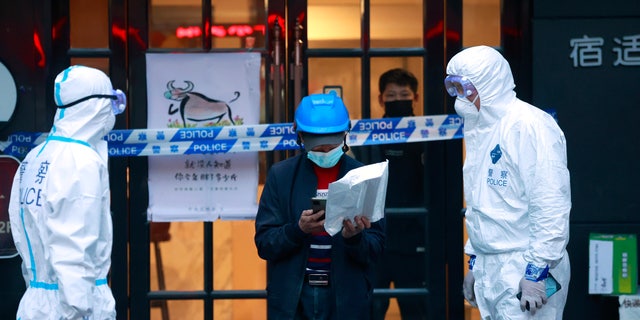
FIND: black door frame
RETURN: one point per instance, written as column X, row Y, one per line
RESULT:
column 130, row 279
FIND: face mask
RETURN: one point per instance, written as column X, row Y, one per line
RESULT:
column 398, row 108
column 466, row 108
column 326, row 159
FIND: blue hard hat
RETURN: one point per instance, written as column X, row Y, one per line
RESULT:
column 322, row 114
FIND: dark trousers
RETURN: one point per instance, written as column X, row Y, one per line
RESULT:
column 315, row 303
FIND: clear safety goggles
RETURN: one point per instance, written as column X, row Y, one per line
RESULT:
column 459, row 86
column 118, row 101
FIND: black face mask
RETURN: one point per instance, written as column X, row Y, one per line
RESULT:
column 398, row 108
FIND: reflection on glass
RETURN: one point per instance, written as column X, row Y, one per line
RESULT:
column 333, row 23
column 396, row 24
column 380, row 66
column 480, row 23
column 345, row 72
column 89, row 13
column 234, row 24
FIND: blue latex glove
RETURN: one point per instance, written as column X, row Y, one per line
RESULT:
column 534, row 295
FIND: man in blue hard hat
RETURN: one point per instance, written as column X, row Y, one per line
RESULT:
column 311, row 275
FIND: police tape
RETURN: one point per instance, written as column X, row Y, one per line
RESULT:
column 252, row 138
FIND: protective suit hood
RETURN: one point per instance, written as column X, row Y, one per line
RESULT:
column 89, row 120
column 491, row 75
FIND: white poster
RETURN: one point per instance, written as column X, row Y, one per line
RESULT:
column 203, row 90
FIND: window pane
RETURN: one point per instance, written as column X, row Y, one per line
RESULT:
column 236, row 266
column 481, row 23
column 238, row 24
column 174, row 25
column 185, row 309
column 89, row 13
column 396, row 23
column 333, row 23
column 345, row 72
column 235, row 24
column 182, row 256
column 380, row 66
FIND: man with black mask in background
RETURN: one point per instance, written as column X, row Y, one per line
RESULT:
column 403, row 261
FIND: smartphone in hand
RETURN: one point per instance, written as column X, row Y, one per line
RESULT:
column 318, row 204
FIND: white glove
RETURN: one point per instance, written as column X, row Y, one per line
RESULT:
column 534, row 295
column 467, row 289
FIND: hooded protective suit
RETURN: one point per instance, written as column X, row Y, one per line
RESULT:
column 516, row 187
column 60, row 207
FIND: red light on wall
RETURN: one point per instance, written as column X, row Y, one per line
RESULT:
column 260, row 29
column 220, row 31
column 240, row 30
column 188, row 32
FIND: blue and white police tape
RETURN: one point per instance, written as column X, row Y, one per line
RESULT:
column 251, row 138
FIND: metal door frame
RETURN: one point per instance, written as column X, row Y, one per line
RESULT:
column 130, row 280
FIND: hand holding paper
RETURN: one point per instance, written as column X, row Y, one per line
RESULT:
column 361, row 192
column 350, row 229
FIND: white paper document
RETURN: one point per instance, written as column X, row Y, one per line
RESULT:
column 361, row 192
column 600, row 267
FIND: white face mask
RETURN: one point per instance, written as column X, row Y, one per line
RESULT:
column 326, row 159
column 466, row 108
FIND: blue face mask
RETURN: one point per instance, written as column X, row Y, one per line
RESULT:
column 326, row 159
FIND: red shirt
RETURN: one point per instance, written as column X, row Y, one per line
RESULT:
column 319, row 260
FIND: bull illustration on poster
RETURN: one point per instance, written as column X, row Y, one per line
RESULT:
column 196, row 108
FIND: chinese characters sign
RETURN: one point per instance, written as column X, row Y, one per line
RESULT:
column 588, row 69
column 588, row 51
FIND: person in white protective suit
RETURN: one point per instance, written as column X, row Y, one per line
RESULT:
column 517, row 192
column 60, row 204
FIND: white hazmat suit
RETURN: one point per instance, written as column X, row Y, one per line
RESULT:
column 60, row 207
column 516, row 187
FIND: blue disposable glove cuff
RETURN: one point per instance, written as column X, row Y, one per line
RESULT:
column 535, row 273
column 472, row 261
